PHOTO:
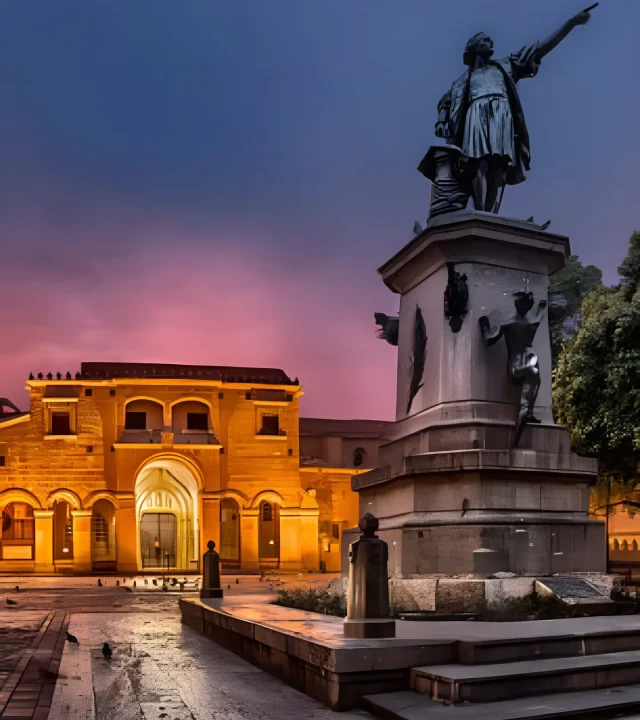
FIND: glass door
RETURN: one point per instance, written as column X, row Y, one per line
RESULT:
column 158, row 540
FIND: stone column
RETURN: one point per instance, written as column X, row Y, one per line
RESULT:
column 209, row 523
column 44, row 541
column 127, row 536
column 309, row 539
column 249, row 539
column 290, row 546
column 81, row 541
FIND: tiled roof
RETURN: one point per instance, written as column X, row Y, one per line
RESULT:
column 106, row 370
column 343, row 428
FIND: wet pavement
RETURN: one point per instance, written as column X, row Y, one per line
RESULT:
column 159, row 668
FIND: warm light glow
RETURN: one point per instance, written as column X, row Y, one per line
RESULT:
column 65, row 550
column 271, row 542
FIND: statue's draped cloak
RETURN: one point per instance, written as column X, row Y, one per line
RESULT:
column 453, row 107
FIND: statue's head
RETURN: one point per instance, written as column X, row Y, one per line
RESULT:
column 523, row 302
column 480, row 44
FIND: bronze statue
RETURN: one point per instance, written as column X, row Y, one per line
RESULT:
column 522, row 365
column 481, row 115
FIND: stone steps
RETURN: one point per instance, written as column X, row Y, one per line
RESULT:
column 601, row 704
column 455, row 684
column 478, row 652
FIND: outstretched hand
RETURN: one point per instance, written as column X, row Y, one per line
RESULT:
column 582, row 18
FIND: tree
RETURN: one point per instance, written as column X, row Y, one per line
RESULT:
column 567, row 287
column 597, row 379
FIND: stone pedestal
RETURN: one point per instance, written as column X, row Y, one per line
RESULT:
column 368, row 589
column 43, row 541
column 452, row 492
column 211, row 587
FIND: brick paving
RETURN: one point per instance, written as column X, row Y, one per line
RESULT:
column 28, row 689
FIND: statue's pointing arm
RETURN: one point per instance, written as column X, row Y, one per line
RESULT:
column 545, row 47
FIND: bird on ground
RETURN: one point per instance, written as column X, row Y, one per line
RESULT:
column 118, row 583
column 72, row 638
column 99, row 582
column 165, row 588
column 11, row 602
column 154, row 581
column 228, row 587
column 17, row 588
column 134, row 584
column 237, row 581
column 106, row 651
column 146, row 582
column 124, row 580
column 128, row 589
column 174, row 582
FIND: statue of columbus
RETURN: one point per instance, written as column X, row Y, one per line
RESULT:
column 481, row 114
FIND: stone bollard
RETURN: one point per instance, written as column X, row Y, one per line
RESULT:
column 368, row 593
column 211, row 573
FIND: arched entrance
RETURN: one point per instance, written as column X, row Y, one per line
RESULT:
column 269, row 534
column 167, row 516
column 62, row 531
column 103, row 535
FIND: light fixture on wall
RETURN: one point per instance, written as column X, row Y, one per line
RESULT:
column 271, row 542
column 65, row 550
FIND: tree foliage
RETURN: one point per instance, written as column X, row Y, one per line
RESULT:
column 597, row 378
column 567, row 288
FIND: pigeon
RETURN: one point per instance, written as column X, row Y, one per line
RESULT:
column 17, row 588
column 165, row 588
column 128, row 589
column 106, row 651
column 237, row 581
column 154, row 581
column 134, row 584
column 118, row 583
column 465, row 507
column 146, row 582
column 228, row 587
column 99, row 582
column 174, row 582
column 72, row 638
column 124, row 580
column 11, row 602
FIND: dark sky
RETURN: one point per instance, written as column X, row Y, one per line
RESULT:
column 215, row 182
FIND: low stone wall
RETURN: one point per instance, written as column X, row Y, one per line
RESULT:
column 334, row 670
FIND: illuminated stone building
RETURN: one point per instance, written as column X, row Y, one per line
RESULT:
column 134, row 467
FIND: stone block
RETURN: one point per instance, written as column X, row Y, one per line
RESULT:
column 459, row 596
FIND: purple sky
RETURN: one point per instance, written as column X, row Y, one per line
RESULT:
column 217, row 182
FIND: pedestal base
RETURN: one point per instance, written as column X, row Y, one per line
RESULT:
column 207, row 593
column 383, row 628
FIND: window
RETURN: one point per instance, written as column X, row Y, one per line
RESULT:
column 358, row 457
column 267, row 512
column 88, row 392
column 60, row 423
column 3, row 462
column 100, row 529
column 198, row 421
column 135, row 421
column 17, row 522
column 270, row 425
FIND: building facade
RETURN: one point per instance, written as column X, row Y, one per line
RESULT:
column 135, row 467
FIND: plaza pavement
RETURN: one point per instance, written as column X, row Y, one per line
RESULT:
column 159, row 669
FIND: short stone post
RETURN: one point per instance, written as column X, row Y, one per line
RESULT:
column 211, row 587
column 368, row 593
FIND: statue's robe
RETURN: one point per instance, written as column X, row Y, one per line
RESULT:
column 453, row 107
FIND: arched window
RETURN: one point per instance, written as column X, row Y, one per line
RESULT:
column 18, row 532
column 359, row 457
column 267, row 512
column 634, row 545
column 616, row 544
column 625, row 545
